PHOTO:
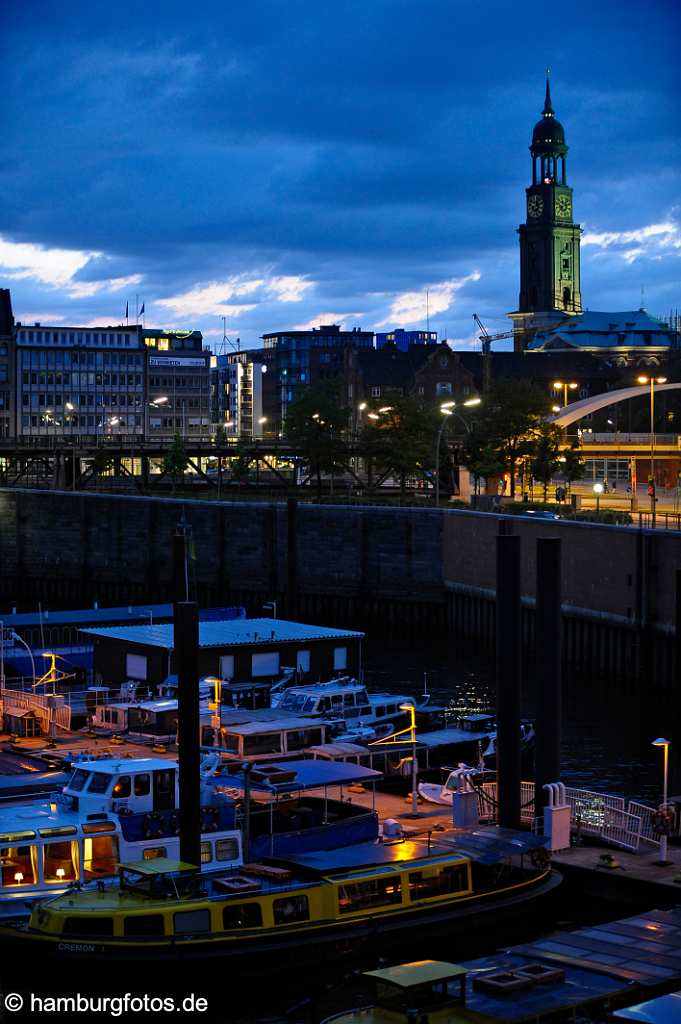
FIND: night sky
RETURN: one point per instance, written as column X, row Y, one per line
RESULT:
column 288, row 163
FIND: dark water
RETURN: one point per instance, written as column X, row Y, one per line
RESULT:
column 607, row 726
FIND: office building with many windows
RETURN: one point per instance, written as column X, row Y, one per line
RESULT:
column 79, row 380
column 179, row 386
column 289, row 353
column 237, row 383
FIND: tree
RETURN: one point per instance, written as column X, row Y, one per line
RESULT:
column 220, row 435
column 546, row 457
column 176, row 460
column 314, row 424
column 403, row 437
column 240, row 463
column 573, row 463
column 507, row 422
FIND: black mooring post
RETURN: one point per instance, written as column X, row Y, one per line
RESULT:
column 508, row 680
column 180, row 565
column 186, row 641
column 675, row 703
column 292, row 557
column 548, row 668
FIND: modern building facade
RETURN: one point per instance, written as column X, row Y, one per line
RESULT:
column 179, row 386
column 79, row 380
column 7, row 362
column 403, row 340
column 237, row 384
column 289, row 354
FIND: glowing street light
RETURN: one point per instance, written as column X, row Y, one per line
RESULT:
column 470, row 402
column 598, row 490
column 564, row 386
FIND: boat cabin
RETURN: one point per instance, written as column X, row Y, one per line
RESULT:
column 268, row 732
column 339, row 698
column 418, row 989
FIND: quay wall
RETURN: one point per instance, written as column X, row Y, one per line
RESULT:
column 371, row 567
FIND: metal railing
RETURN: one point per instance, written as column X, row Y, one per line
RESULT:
column 645, row 813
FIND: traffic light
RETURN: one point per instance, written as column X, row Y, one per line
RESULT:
column 651, row 487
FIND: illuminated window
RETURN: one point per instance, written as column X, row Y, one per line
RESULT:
column 163, row 344
column 150, row 342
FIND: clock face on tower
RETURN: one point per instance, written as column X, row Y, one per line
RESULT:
column 563, row 207
column 535, row 206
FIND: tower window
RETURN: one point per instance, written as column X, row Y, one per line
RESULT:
column 566, row 298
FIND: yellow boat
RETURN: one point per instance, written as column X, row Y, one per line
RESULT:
column 324, row 903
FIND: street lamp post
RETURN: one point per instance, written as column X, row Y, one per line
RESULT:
column 565, row 386
column 662, row 742
column 446, row 410
column 414, row 766
column 598, row 490
column 651, row 482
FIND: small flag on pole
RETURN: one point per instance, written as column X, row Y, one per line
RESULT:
column 141, row 312
column 126, row 311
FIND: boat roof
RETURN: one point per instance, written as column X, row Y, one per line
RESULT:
column 442, row 737
column 420, row 972
column 226, row 633
column 662, row 1010
column 278, row 723
column 339, row 749
column 157, row 866
column 114, row 766
column 309, row 774
column 491, row 844
column 361, row 857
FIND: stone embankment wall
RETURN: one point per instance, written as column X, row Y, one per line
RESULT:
column 366, row 566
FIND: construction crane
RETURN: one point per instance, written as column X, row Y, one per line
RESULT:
column 486, row 338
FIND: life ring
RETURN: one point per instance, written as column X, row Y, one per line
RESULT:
column 153, row 825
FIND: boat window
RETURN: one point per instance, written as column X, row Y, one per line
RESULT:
column 19, row 865
column 88, row 926
column 298, row 739
column 336, row 700
column 143, row 924
column 99, row 783
column 265, row 743
column 290, row 909
column 310, row 705
column 325, row 704
column 15, row 837
column 122, row 787
column 226, row 849
column 63, row 830
column 374, row 892
column 78, row 779
column 142, row 785
column 188, row 922
column 154, row 852
column 242, row 915
column 230, row 742
column 423, row 885
column 100, row 856
column 60, row 861
column 380, row 710
column 353, row 712
column 206, row 852
column 99, row 826
column 365, row 709
column 362, row 697
column 349, row 699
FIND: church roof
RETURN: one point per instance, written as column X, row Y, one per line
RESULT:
column 593, row 329
column 548, row 135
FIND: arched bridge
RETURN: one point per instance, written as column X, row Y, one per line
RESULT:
column 571, row 413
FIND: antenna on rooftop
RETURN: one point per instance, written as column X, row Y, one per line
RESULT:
column 427, row 311
column 643, row 293
column 227, row 342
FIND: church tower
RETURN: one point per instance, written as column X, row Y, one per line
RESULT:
column 549, row 239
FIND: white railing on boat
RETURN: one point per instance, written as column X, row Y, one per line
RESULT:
column 47, row 708
column 599, row 815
